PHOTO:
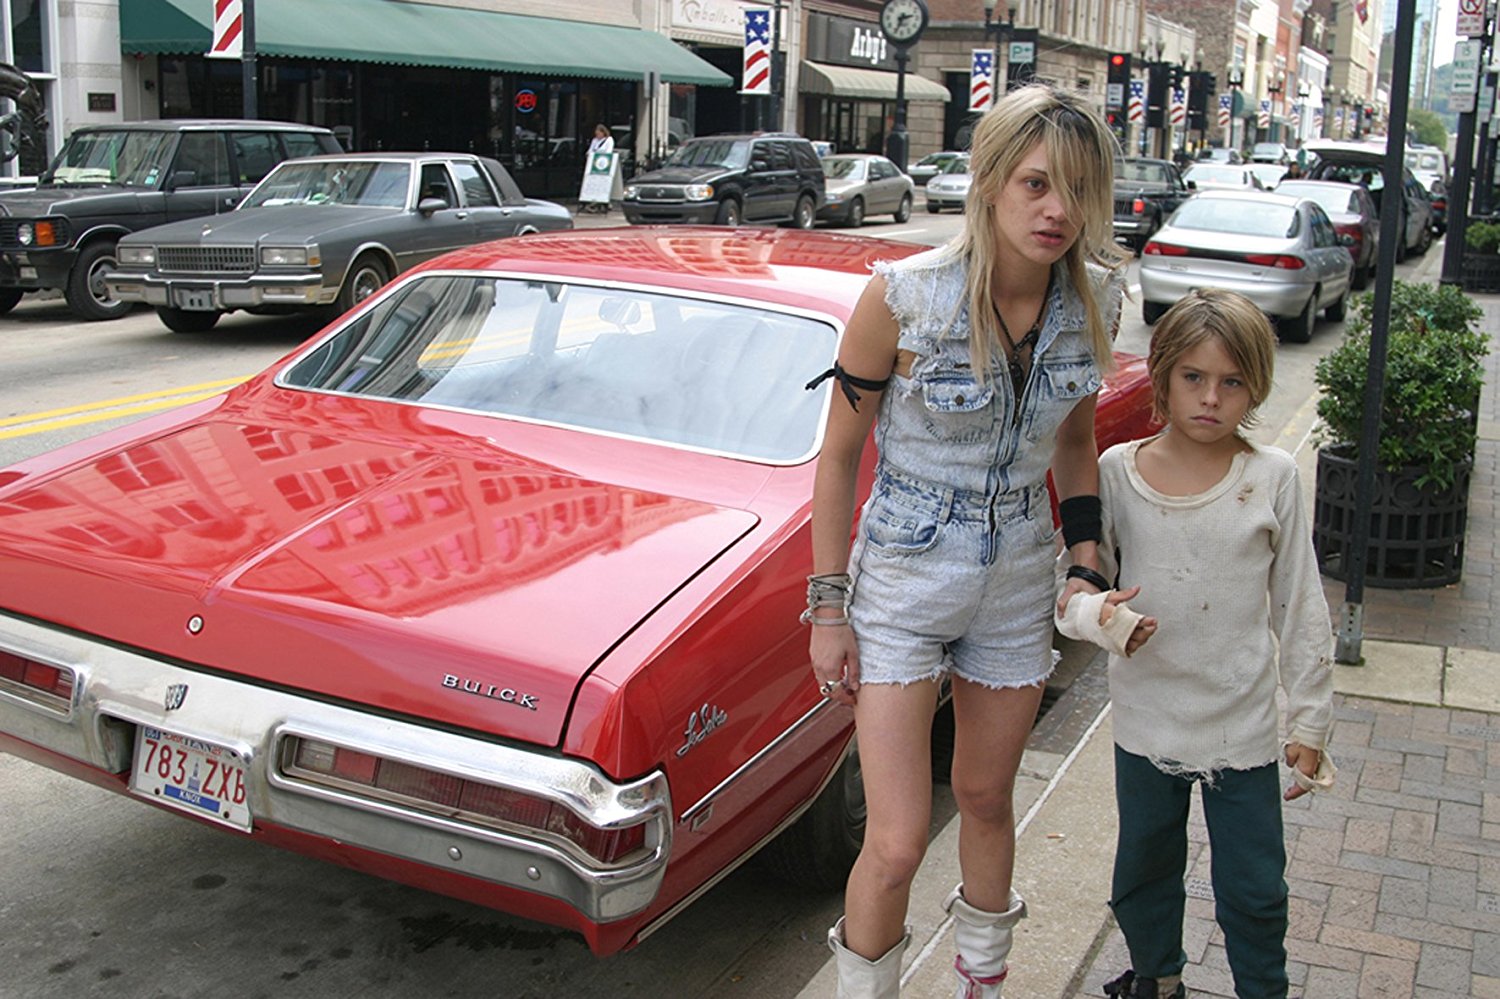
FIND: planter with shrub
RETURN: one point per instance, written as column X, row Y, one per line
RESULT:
column 1434, row 372
column 1481, row 258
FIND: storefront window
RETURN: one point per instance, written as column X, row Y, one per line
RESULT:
column 26, row 34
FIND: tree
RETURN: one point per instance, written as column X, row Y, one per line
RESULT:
column 1428, row 127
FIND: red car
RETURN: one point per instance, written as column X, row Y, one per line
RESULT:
column 491, row 589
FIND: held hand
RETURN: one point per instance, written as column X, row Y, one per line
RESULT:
column 1143, row 630
column 1071, row 587
column 835, row 657
column 1304, row 760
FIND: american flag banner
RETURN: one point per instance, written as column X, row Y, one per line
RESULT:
column 981, row 79
column 1338, row 123
column 1296, row 116
column 757, row 76
column 1179, row 106
column 1264, row 118
column 229, row 21
column 1137, row 106
column 1317, row 121
column 1225, row 103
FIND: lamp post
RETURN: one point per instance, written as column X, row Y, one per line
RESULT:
column 1019, row 73
column 1235, row 76
column 1275, row 85
column 1303, row 125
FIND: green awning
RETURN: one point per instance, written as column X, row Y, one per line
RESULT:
column 420, row 34
column 867, row 84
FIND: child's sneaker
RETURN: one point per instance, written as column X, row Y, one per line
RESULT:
column 1133, row 986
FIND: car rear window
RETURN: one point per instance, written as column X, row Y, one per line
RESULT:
column 706, row 375
column 1330, row 199
column 1242, row 217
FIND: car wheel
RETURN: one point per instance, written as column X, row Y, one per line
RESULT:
column 904, row 212
column 9, row 299
column 183, row 321
column 1337, row 308
column 856, row 213
column 1425, row 242
column 1299, row 329
column 818, row 850
column 729, row 213
column 1360, row 279
column 1152, row 311
column 804, row 214
column 85, row 290
column 932, row 206
column 366, row 276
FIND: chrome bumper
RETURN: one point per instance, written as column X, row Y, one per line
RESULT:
column 228, row 293
column 115, row 690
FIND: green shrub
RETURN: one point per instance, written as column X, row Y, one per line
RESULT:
column 1434, row 371
column 1482, row 237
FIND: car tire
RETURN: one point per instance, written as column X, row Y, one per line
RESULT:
column 856, row 213
column 932, row 207
column 818, row 850
column 367, row 275
column 728, row 213
column 85, row 291
column 1299, row 329
column 1337, row 309
column 183, row 321
column 1425, row 243
column 1152, row 311
column 1360, row 279
column 9, row 299
column 805, row 214
column 903, row 213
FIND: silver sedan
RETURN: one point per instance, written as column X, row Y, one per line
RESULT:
column 1223, row 177
column 1281, row 253
column 860, row 184
column 950, row 188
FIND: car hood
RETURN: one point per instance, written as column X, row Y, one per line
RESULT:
column 680, row 175
column 76, row 201
column 475, row 589
column 842, row 185
column 278, row 224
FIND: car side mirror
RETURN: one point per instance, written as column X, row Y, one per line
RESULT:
column 1192, row 185
column 759, row 165
column 429, row 205
column 182, row 178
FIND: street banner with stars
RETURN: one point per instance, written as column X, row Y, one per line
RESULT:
column 1264, row 118
column 1137, row 107
column 1225, row 102
column 757, row 75
column 1179, row 106
column 981, row 79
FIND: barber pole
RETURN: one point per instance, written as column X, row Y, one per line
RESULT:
column 981, row 79
column 229, row 25
column 1264, row 118
column 1179, row 106
column 1225, row 102
column 757, row 74
column 1137, row 107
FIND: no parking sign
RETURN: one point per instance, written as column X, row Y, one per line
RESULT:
column 1470, row 18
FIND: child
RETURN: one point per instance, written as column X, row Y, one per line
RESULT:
column 1209, row 532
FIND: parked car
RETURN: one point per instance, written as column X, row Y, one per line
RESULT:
column 861, row 184
column 1219, row 154
column 491, row 589
column 1352, row 212
column 1146, row 192
column 328, row 230
column 111, row 180
column 1222, row 177
column 1281, row 253
column 1269, row 174
column 729, row 179
column 931, row 165
column 1364, row 163
column 1429, row 165
column 950, row 188
column 1270, row 152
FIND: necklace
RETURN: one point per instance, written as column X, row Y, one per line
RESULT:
column 1029, row 341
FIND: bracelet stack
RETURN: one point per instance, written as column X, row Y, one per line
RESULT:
column 1093, row 577
column 828, row 590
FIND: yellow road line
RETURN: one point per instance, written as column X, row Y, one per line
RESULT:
column 168, row 394
column 98, row 416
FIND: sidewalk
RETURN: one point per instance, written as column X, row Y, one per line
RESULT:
column 1394, row 875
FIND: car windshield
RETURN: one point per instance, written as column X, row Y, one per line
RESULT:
column 131, row 158
column 1216, row 174
column 1333, row 200
column 700, row 374
column 934, row 159
column 837, row 169
column 333, row 182
column 959, row 164
column 1268, row 149
column 1134, row 170
column 1240, row 217
column 711, row 153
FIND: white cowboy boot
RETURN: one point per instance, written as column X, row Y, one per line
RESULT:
column 861, row 978
column 983, row 943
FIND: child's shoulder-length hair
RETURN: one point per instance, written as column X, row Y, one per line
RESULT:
column 1206, row 314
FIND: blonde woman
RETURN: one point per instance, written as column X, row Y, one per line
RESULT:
column 977, row 363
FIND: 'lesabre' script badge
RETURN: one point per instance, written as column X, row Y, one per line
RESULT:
column 176, row 694
column 700, row 724
column 493, row 691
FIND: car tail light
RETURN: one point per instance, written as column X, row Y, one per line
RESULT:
column 1351, row 229
column 439, row 793
column 1281, row 261
column 1154, row 249
column 40, row 683
column 1138, row 206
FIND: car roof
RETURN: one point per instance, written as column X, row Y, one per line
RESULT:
column 821, row 271
column 1342, row 148
column 198, row 124
column 1259, row 197
column 387, row 157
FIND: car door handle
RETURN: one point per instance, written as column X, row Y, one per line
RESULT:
column 462, row 215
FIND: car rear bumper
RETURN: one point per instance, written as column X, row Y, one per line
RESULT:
column 1281, row 299
column 115, row 691
column 1134, row 225
column 225, row 293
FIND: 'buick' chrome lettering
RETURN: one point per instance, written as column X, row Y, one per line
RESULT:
column 495, row 693
column 700, row 724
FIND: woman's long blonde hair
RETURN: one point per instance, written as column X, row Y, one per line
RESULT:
column 1081, row 154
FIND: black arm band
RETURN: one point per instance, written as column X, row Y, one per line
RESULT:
column 1082, row 519
column 1093, row 577
column 848, row 383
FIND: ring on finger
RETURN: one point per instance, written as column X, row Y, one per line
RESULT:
column 827, row 687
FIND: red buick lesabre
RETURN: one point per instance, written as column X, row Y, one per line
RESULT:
column 491, row 589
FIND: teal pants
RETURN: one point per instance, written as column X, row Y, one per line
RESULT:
column 1243, row 810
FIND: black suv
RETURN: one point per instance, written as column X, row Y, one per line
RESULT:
column 729, row 179
column 109, row 180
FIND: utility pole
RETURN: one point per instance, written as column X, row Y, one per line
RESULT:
column 248, row 79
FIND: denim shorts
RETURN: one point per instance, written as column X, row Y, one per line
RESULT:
column 949, row 580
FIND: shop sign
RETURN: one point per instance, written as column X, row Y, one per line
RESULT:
column 844, row 42
column 101, row 102
column 526, row 101
column 723, row 17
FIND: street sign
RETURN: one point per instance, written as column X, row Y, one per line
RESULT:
column 1471, row 18
column 1465, row 83
column 1022, row 52
column 1114, row 95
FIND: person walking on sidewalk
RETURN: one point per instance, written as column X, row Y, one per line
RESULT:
column 1216, row 551
column 951, row 571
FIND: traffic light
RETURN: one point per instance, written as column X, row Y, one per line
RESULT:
column 1156, row 94
column 1117, row 93
column 1119, row 67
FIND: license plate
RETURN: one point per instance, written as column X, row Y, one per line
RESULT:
column 195, row 776
column 194, row 299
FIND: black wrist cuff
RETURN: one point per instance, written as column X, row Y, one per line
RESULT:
column 1093, row 577
column 1082, row 519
